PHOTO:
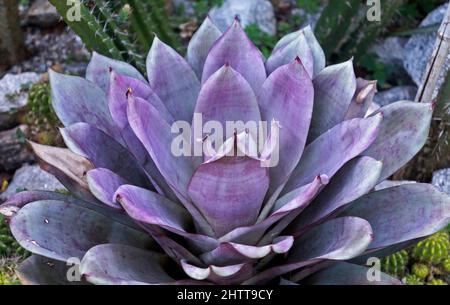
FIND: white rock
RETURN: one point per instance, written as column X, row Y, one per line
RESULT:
column 42, row 13
column 258, row 12
column 31, row 178
column 400, row 93
column 441, row 179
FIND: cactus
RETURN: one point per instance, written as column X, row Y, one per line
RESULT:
column 437, row 282
column 420, row 270
column 395, row 264
column 433, row 249
column 446, row 265
column 412, row 279
column 120, row 29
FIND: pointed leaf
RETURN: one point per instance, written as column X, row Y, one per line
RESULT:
column 361, row 102
column 103, row 183
column 98, row 70
column 236, row 49
column 173, row 80
column 200, row 44
column 334, row 89
column 332, row 150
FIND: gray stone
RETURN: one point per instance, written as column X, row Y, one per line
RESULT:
column 306, row 17
column 420, row 46
column 13, row 148
column 13, row 97
column 391, row 51
column 43, row 14
column 441, row 179
column 258, row 12
column 391, row 183
column 400, row 93
column 31, row 178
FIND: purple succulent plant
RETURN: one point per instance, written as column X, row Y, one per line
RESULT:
column 138, row 214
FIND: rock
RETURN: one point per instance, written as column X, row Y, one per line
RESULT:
column 31, row 178
column 13, row 149
column 420, row 46
column 441, row 180
column 391, row 183
column 258, row 12
column 400, row 93
column 43, row 14
column 306, row 17
column 13, row 97
column 391, row 51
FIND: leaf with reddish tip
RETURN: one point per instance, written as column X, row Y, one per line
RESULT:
column 200, row 44
column 122, row 89
column 402, row 134
column 225, row 275
column 287, row 97
column 173, row 80
column 227, row 96
column 337, row 239
column 355, row 179
column 38, row 270
column 103, row 183
column 234, row 48
column 361, row 102
column 69, row 168
column 156, row 136
column 317, row 52
column 402, row 213
column 332, row 150
column 235, row 185
column 75, row 100
column 150, row 208
column 114, row 264
column 297, row 48
column 85, row 140
column 348, row 274
column 98, row 70
column 334, row 89
column 47, row 228
column 232, row 253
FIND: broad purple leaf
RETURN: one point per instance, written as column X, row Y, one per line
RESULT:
column 332, row 150
column 227, row 96
column 38, row 270
column 287, row 97
column 115, row 264
column 200, row 44
column 85, row 140
column 98, row 70
column 173, row 80
column 291, row 203
column 236, row 186
column 402, row 213
column 317, row 51
column 155, row 134
column 39, row 220
column 103, row 183
column 297, row 48
column 355, row 179
column 76, row 100
column 361, row 102
column 234, row 48
column 348, row 274
column 402, row 134
column 147, row 207
column 339, row 239
column 334, row 89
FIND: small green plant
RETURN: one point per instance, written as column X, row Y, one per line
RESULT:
column 202, row 7
column 412, row 279
column 446, row 265
column 311, row 6
column 437, row 282
column 7, row 271
column 420, row 270
column 376, row 69
column 433, row 249
column 395, row 264
column 264, row 41
column 8, row 245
